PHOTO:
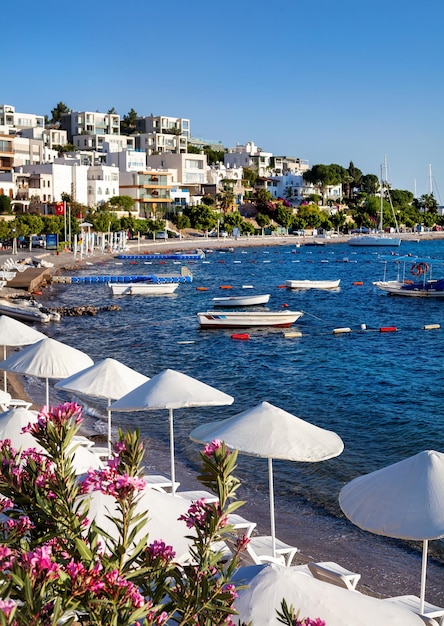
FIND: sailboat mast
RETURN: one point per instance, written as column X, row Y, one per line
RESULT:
column 381, row 209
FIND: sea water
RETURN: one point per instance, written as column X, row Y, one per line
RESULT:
column 380, row 391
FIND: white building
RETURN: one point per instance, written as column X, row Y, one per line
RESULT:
column 189, row 170
column 16, row 121
column 90, row 123
column 104, row 143
column 218, row 174
column 250, row 156
column 103, row 184
column 127, row 160
column 65, row 178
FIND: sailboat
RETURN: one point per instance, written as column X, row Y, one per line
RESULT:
column 380, row 238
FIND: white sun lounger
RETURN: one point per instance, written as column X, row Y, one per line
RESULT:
column 330, row 572
column 432, row 615
column 159, row 482
column 198, row 494
column 261, row 550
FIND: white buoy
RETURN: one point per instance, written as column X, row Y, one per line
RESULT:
column 432, row 326
column 341, row 331
column 292, row 334
column 363, row 326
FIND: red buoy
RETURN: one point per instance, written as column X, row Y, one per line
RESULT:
column 240, row 336
column 388, row 329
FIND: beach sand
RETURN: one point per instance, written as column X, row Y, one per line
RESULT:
column 319, row 537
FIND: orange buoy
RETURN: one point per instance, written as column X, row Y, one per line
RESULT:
column 36, row 293
column 387, row 329
column 225, row 287
column 201, row 288
column 133, row 262
column 358, row 282
column 240, row 336
column 284, row 304
column 281, row 286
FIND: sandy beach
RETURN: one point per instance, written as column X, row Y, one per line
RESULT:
column 312, row 545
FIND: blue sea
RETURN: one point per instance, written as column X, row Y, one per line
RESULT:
column 382, row 392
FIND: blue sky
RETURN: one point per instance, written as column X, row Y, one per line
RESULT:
column 327, row 81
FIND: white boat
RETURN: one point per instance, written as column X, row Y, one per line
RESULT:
column 380, row 238
column 27, row 311
column 142, row 289
column 312, row 284
column 375, row 240
column 242, row 300
column 417, row 282
column 247, row 319
column 427, row 289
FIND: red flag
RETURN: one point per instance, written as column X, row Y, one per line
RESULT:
column 60, row 208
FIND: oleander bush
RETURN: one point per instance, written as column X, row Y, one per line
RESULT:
column 57, row 566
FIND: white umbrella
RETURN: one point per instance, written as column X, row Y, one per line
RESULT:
column 162, row 519
column 108, row 379
column 171, row 390
column 404, row 500
column 48, row 358
column 13, row 421
column 270, row 584
column 14, row 333
column 267, row 431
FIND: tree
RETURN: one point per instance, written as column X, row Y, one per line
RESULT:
column 128, row 123
column 262, row 220
column 181, row 221
column 112, row 111
column 56, row 113
column 226, row 197
column 284, row 216
column 121, row 203
column 104, row 221
column 369, row 184
column 324, row 176
column 213, row 156
column 353, row 180
column 250, row 177
column 201, row 217
column 5, row 204
column 427, row 203
column 69, row 147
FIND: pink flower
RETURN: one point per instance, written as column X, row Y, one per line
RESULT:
column 198, row 514
column 6, row 607
column 210, row 448
column 159, row 549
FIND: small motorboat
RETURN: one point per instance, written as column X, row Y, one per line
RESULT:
column 421, row 284
column 253, row 300
column 142, row 289
column 28, row 311
column 312, row 284
column 246, row 319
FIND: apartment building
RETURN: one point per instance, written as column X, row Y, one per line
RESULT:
column 89, row 123
column 10, row 118
column 150, row 190
column 103, row 184
column 6, row 152
column 250, row 156
column 157, row 134
column 189, row 171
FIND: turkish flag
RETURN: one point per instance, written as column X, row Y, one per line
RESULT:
column 60, row 208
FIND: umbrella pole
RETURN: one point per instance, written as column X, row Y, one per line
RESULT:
column 47, row 393
column 4, row 373
column 425, row 545
column 109, row 427
column 270, row 482
column 173, row 473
